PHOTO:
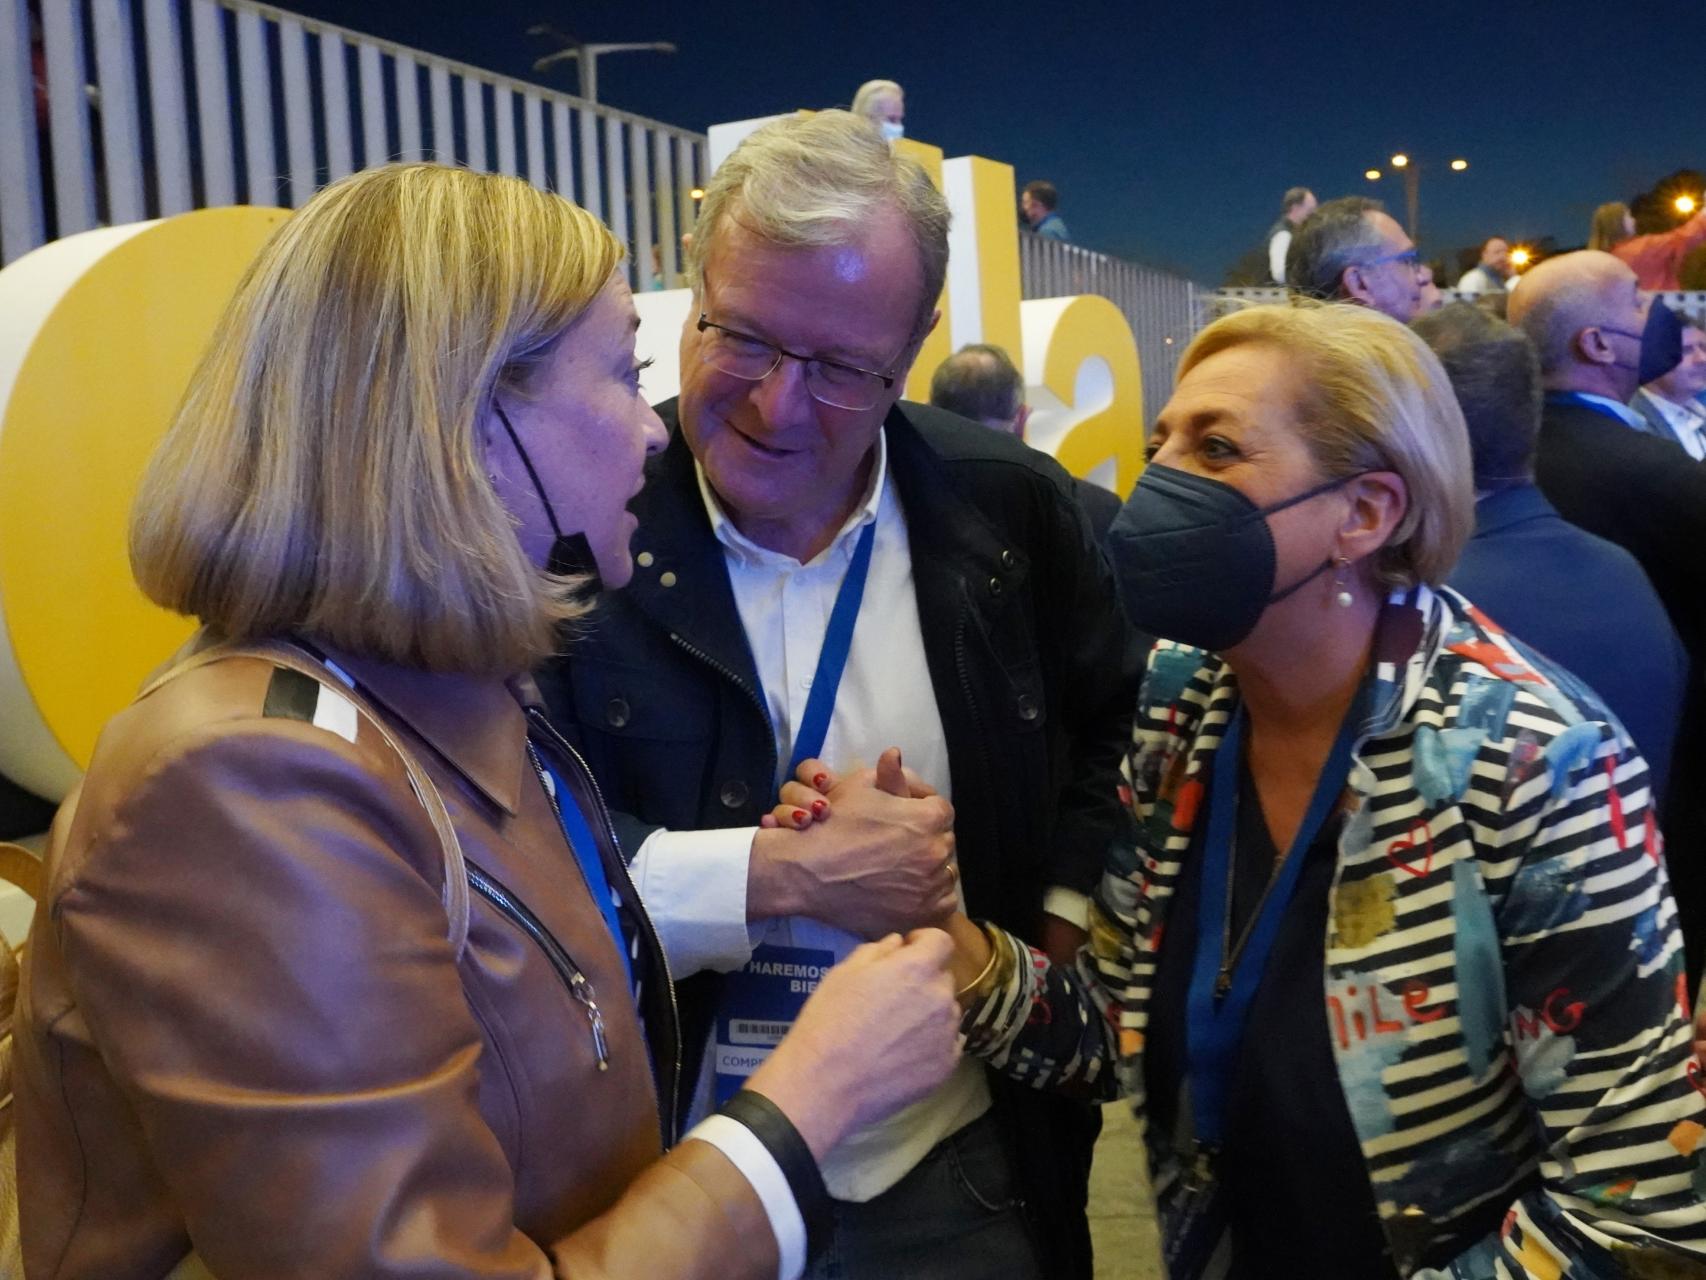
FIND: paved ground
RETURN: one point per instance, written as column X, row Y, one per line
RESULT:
column 1121, row 1219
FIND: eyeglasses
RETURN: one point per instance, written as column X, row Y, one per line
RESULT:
column 1410, row 258
column 840, row 386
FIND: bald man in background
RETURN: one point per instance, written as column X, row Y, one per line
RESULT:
column 1598, row 340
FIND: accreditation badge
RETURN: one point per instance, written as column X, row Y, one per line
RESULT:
column 760, row 1002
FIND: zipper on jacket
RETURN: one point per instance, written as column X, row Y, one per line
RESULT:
column 964, row 670
column 537, row 718
column 734, row 679
column 576, row 981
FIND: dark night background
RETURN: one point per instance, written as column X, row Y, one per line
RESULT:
column 1171, row 129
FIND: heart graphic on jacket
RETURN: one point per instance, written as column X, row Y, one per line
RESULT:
column 1396, row 851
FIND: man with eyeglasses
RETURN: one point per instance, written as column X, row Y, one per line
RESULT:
column 825, row 572
column 1352, row 250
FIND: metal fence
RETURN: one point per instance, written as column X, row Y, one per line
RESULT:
column 113, row 111
column 1689, row 303
column 1162, row 309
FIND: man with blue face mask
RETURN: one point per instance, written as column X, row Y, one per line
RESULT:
column 1599, row 338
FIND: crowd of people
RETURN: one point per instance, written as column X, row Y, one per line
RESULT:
column 748, row 835
column 1662, row 260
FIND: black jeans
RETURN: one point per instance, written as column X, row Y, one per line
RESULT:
column 956, row 1216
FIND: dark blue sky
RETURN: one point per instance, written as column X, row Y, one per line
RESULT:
column 1172, row 126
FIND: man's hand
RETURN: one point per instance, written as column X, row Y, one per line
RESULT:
column 878, row 859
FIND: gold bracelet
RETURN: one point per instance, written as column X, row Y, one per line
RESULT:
column 994, row 955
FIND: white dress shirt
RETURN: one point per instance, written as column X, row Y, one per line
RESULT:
column 1689, row 425
column 1279, row 244
column 886, row 698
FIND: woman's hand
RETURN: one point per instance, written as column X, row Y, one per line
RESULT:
column 881, row 1031
column 805, row 798
column 972, row 955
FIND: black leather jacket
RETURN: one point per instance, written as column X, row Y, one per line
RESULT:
column 1034, row 668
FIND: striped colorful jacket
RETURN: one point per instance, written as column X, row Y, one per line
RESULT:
column 1503, row 969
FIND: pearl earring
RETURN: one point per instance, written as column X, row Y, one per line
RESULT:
column 1344, row 598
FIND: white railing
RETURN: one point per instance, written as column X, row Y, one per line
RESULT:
column 1689, row 303
column 1162, row 308
column 113, row 111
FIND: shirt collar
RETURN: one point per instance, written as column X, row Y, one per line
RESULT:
column 744, row 547
column 1616, row 408
column 1679, row 415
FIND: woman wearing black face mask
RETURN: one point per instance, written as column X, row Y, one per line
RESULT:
column 1392, row 963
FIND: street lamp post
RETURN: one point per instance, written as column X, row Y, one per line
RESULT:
column 585, row 55
column 1412, row 171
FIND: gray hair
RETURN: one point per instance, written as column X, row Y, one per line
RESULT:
column 1337, row 235
column 871, row 91
column 816, row 181
column 980, row 382
column 1496, row 375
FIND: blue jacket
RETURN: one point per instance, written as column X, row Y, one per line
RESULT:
column 1052, row 227
column 1501, row 915
column 1553, row 586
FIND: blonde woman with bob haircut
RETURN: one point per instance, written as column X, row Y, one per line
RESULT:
column 1391, row 965
column 339, row 971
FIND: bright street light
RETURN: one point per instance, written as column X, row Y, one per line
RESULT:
column 1412, row 175
column 1686, row 204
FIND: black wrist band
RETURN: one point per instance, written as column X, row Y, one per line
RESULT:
column 764, row 1119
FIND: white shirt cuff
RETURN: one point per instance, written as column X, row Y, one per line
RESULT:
column 693, row 884
column 759, row 1168
column 1068, row 904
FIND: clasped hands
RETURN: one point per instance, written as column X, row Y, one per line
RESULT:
column 872, row 853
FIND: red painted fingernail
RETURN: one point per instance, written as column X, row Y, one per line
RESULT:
column 801, row 817
column 819, row 808
column 820, row 780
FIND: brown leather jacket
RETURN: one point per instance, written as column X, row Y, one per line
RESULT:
column 244, row 1029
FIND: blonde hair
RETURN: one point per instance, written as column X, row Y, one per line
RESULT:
column 816, row 181
column 324, row 473
column 865, row 101
column 1375, row 399
column 1607, row 228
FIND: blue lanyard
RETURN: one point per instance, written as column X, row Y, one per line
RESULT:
column 832, row 659
column 585, row 848
column 1215, row 1019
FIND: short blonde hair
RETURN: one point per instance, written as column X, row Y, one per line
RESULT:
column 324, row 473
column 1607, row 229
column 865, row 101
column 817, row 180
column 1375, row 399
